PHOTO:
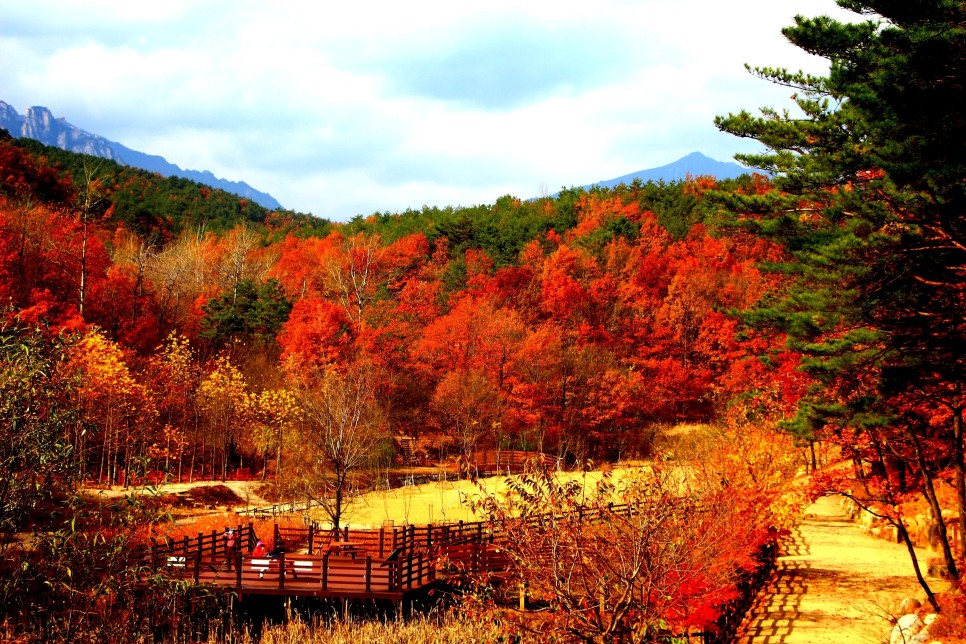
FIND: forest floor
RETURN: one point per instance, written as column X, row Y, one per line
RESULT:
column 834, row 583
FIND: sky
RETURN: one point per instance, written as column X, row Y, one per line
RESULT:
column 340, row 109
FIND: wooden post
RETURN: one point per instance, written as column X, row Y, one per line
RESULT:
column 325, row 571
column 238, row 567
column 311, row 535
column 382, row 541
column 429, row 536
column 197, row 565
column 275, row 530
column 281, row 569
column 368, row 574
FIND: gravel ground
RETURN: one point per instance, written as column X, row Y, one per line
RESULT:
column 834, row 584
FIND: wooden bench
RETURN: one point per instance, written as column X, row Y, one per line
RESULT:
column 301, row 568
column 177, row 562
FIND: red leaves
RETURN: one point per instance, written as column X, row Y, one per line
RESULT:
column 318, row 334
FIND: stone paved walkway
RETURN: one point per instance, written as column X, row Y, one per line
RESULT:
column 834, row 584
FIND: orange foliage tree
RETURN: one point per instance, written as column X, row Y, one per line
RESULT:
column 628, row 556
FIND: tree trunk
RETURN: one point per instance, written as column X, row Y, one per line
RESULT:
column 82, row 289
column 904, row 535
column 929, row 491
column 960, row 467
column 337, row 508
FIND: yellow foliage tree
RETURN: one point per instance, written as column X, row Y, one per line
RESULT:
column 274, row 414
column 116, row 406
column 224, row 404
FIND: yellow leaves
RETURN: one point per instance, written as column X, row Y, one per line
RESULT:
column 104, row 381
column 273, row 413
column 274, row 407
column 178, row 357
column 224, row 390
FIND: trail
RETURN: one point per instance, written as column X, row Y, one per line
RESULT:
column 834, row 584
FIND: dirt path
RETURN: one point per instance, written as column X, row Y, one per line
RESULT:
column 245, row 490
column 834, row 584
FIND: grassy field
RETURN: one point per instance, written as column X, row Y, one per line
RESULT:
column 437, row 502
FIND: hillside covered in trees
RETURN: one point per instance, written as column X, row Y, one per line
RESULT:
column 568, row 325
column 152, row 325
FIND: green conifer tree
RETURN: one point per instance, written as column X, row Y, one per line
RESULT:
column 870, row 170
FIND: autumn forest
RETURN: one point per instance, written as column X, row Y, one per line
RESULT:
column 706, row 348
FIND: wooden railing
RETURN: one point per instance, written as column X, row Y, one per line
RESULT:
column 330, row 573
column 751, row 583
column 385, row 562
column 495, row 462
column 279, row 509
column 212, row 545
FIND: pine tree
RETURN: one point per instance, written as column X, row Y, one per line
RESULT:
column 870, row 170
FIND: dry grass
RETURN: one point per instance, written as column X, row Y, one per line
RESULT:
column 439, row 502
column 451, row 629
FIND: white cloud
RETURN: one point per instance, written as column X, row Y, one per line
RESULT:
column 346, row 108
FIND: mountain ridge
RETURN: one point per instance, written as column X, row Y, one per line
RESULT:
column 695, row 164
column 39, row 123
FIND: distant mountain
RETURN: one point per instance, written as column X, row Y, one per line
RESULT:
column 695, row 164
column 39, row 124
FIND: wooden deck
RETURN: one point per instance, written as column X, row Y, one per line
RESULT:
column 385, row 564
column 328, row 575
column 389, row 563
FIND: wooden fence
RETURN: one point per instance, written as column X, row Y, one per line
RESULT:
column 491, row 462
column 384, row 563
column 211, row 545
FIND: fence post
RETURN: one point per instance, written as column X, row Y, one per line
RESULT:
column 238, row 567
column 382, row 541
column 281, row 570
column 311, row 536
column 325, row 571
column 368, row 574
column 429, row 536
column 197, row 565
